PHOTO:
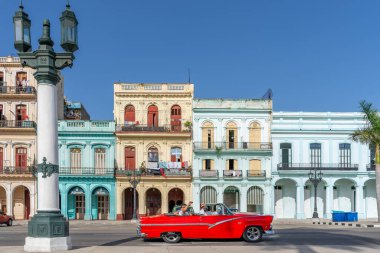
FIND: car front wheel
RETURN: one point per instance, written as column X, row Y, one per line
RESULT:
column 171, row 237
column 253, row 234
column 9, row 223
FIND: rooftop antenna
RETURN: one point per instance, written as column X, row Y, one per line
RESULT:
column 188, row 72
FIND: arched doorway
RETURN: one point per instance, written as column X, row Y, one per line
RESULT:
column 285, row 197
column 231, row 197
column 370, row 199
column 152, row 116
column 344, row 195
column 76, row 203
column 255, row 200
column 128, row 203
column 175, row 118
column 175, row 198
column 129, row 115
column 3, row 200
column 208, row 195
column 21, row 203
column 100, row 204
column 309, row 199
column 153, row 202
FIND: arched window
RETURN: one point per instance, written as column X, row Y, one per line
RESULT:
column 208, row 135
column 152, row 116
column 255, row 200
column 175, row 118
column 254, row 136
column 231, row 135
column 153, row 154
column 176, row 154
column 129, row 115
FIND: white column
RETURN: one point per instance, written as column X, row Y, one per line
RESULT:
column 243, row 198
column 360, row 201
column 47, row 143
column 300, row 201
column 268, row 199
column 219, row 191
column 196, row 197
column 9, row 200
column 329, row 201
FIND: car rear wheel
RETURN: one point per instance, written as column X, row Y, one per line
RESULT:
column 9, row 223
column 253, row 234
column 171, row 237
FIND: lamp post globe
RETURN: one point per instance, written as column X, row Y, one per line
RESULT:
column 69, row 30
column 48, row 229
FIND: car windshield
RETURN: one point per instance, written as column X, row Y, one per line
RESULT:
column 218, row 209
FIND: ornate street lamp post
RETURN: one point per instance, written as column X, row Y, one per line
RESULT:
column 48, row 230
column 134, row 178
column 315, row 178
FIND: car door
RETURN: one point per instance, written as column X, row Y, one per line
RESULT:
column 219, row 226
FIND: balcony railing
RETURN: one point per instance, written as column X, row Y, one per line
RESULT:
column 209, row 174
column 12, row 170
column 371, row 167
column 158, row 172
column 17, row 124
column 146, row 128
column 232, row 145
column 255, row 173
column 321, row 166
column 17, row 90
column 86, row 171
column 232, row 174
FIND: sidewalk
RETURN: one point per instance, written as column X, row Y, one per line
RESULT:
column 367, row 223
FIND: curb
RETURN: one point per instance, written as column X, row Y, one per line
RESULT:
column 346, row 224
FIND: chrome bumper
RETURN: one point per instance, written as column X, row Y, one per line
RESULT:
column 139, row 234
column 270, row 232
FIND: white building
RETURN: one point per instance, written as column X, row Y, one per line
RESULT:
column 232, row 153
column 304, row 140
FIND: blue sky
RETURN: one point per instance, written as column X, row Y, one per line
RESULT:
column 315, row 55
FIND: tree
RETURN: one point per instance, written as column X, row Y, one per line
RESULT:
column 370, row 134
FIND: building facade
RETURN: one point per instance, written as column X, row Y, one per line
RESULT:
column 232, row 153
column 304, row 141
column 86, row 173
column 153, row 135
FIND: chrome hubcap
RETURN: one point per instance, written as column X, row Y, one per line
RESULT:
column 171, row 237
column 253, row 233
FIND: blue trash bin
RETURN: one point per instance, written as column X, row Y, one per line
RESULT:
column 351, row 216
column 338, row 216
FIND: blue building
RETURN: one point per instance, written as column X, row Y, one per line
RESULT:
column 86, row 179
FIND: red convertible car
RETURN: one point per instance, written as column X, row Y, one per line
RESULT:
column 5, row 219
column 221, row 224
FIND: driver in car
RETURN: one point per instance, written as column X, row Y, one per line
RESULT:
column 183, row 211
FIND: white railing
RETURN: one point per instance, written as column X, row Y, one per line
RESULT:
column 9, row 59
column 75, row 124
column 176, row 87
column 152, row 87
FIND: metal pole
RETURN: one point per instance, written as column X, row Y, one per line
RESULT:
column 315, row 183
column 134, row 217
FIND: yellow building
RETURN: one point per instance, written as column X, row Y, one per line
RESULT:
column 153, row 136
column 18, row 117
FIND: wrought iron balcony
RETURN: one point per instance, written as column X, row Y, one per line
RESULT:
column 208, row 174
column 12, row 170
column 320, row 166
column 86, row 171
column 255, row 173
column 29, row 90
column 232, row 145
column 17, row 124
column 232, row 174
column 371, row 167
column 146, row 128
column 156, row 172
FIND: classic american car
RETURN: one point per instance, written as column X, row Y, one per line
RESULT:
column 218, row 223
column 5, row 219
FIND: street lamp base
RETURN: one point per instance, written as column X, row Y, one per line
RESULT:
column 48, row 231
column 315, row 215
column 35, row 244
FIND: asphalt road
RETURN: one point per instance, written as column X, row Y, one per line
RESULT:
column 301, row 238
